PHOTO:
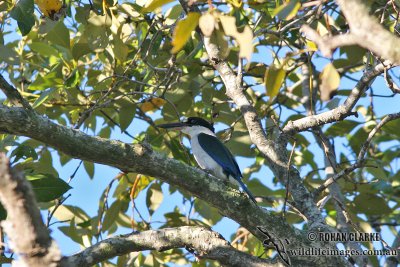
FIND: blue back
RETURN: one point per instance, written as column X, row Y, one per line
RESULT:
column 218, row 152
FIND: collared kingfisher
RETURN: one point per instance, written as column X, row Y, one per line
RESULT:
column 209, row 152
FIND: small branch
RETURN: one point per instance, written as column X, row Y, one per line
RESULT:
column 203, row 242
column 342, row 111
column 360, row 159
column 13, row 95
column 28, row 236
column 327, row 44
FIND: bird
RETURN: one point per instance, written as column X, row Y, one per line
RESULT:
column 208, row 151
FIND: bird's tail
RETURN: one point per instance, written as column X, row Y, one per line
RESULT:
column 244, row 187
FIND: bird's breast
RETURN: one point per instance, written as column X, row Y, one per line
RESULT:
column 205, row 161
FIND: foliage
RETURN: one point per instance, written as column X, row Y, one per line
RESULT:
column 106, row 66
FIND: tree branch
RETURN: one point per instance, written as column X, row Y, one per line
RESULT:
column 203, row 242
column 27, row 234
column 360, row 159
column 368, row 32
column 274, row 150
column 342, row 111
column 327, row 44
column 13, row 95
column 365, row 31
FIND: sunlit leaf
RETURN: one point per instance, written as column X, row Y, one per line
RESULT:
column 154, row 4
column 244, row 38
column 207, row 24
column 330, row 80
column 184, row 30
column 49, row 7
column 274, row 77
column 152, row 104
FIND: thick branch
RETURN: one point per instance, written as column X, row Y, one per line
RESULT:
column 204, row 242
column 370, row 34
column 28, row 236
column 342, row 111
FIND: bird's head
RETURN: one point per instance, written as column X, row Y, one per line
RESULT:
column 191, row 126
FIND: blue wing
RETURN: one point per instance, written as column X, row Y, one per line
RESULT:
column 216, row 150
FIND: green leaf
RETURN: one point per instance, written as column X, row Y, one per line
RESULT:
column 47, row 187
column 3, row 213
column 154, row 197
column 371, row 204
column 9, row 55
column 80, row 48
column 126, row 115
column 50, row 80
column 184, row 30
column 392, row 127
column 59, row 35
column 43, row 49
column 73, row 79
column 211, row 214
column 120, row 49
column 23, row 14
column 288, row 10
column 110, row 215
column 43, row 97
column 274, row 78
column 89, row 168
column 341, row 128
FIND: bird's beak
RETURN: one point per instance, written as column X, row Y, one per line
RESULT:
column 173, row 126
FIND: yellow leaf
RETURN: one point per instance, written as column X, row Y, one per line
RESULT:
column 236, row 3
column 152, row 104
column 49, row 7
column 244, row 39
column 274, row 78
column 207, row 24
column 229, row 25
column 183, row 31
column 330, row 80
column 154, row 4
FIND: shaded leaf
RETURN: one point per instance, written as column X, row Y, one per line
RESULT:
column 23, row 14
column 89, row 168
column 59, row 35
column 110, row 215
column 47, row 187
column 288, row 10
column 154, row 197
